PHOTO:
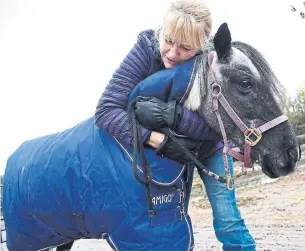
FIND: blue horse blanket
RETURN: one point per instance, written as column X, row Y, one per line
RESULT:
column 79, row 183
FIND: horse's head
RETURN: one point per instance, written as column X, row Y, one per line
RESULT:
column 254, row 93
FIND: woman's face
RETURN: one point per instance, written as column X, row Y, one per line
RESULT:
column 173, row 53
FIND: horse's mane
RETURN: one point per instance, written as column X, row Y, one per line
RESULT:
column 264, row 69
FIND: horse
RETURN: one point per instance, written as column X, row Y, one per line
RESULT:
column 93, row 193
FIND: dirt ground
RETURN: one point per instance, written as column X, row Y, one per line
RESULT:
column 274, row 212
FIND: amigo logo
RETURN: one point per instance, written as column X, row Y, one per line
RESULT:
column 162, row 199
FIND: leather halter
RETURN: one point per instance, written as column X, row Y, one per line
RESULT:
column 252, row 135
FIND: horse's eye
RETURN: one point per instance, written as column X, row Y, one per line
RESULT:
column 245, row 85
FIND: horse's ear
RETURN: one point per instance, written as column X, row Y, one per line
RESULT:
column 222, row 42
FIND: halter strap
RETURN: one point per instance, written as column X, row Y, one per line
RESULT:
column 267, row 126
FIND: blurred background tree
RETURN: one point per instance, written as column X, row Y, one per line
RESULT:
column 295, row 110
column 295, row 107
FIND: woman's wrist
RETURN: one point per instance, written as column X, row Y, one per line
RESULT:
column 155, row 139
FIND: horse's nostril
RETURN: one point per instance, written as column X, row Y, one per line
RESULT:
column 292, row 154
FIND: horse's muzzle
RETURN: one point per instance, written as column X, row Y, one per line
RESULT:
column 275, row 169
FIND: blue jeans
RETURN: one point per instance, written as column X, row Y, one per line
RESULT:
column 229, row 227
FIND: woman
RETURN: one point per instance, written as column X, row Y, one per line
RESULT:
column 186, row 27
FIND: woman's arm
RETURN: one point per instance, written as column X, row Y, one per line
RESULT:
column 194, row 126
column 110, row 113
column 154, row 114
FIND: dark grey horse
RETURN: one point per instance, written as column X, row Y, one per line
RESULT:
column 246, row 81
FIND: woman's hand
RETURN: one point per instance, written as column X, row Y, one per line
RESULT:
column 166, row 147
column 154, row 114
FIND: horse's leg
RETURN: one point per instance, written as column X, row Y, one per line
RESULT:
column 65, row 247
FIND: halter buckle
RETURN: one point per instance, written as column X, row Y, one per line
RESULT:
column 216, row 90
column 252, row 133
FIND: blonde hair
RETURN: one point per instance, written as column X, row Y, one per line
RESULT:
column 187, row 22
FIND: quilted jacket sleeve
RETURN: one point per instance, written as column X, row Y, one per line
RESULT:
column 111, row 112
column 195, row 127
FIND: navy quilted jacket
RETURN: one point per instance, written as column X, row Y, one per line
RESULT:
column 143, row 60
